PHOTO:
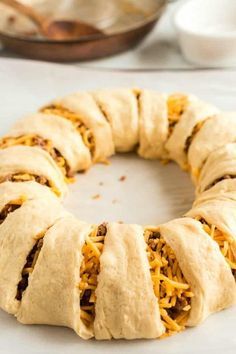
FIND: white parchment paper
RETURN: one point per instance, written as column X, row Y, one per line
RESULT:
column 149, row 193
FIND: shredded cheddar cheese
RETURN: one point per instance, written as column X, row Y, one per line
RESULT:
column 226, row 243
column 195, row 172
column 25, row 177
column 85, row 132
column 170, row 287
column 176, row 105
column 89, row 271
column 45, row 144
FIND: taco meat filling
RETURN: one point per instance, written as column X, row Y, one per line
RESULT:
column 226, row 243
column 89, row 271
column 190, row 138
column 170, row 287
column 219, row 180
column 176, row 104
column 25, row 177
column 45, row 144
column 10, row 207
column 29, row 266
column 84, row 131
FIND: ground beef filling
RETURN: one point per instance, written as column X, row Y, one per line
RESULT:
column 226, row 243
column 45, row 144
column 10, row 207
column 29, row 267
column 84, row 131
column 190, row 138
column 89, row 271
column 219, row 180
column 176, row 104
column 25, row 177
column 170, row 287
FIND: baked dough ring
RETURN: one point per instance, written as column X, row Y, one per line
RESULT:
column 34, row 161
column 63, row 135
column 220, row 164
column 120, row 107
column 52, row 296
column 84, row 105
column 18, row 234
column 154, row 125
column 203, row 266
column 126, row 306
column 215, row 132
column 197, row 111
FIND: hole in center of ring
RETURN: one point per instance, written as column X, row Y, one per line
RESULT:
column 131, row 190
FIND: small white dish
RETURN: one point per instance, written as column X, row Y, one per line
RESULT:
column 207, row 32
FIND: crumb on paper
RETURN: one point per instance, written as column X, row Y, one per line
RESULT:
column 114, row 201
column 101, row 183
column 122, row 178
column 120, row 222
column 96, row 196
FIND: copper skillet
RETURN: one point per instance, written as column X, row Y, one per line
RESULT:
column 87, row 47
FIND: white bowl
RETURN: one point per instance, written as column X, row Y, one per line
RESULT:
column 207, row 32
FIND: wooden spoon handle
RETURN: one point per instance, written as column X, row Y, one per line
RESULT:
column 28, row 11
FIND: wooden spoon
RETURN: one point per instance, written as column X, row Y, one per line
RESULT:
column 54, row 29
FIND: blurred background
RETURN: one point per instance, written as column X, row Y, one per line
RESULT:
column 121, row 34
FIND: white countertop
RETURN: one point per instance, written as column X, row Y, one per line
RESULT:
column 159, row 50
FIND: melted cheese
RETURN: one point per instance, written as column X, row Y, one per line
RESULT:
column 84, row 131
column 170, row 287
